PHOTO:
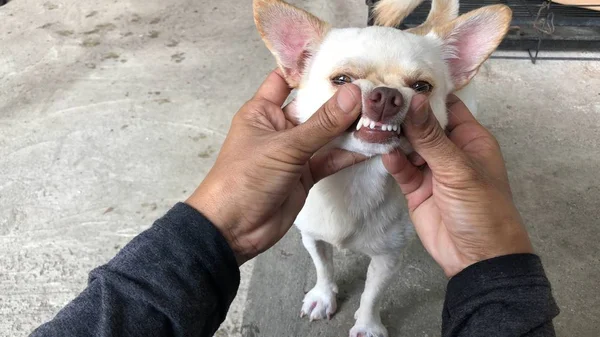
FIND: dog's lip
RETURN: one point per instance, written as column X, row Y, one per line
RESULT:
column 375, row 136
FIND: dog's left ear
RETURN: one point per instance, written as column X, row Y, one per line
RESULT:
column 291, row 34
column 471, row 38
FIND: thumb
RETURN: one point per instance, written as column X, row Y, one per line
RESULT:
column 427, row 137
column 330, row 121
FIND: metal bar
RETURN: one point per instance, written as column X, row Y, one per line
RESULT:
column 546, row 58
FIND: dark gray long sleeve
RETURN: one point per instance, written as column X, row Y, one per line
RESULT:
column 504, row 296
column 177, row 278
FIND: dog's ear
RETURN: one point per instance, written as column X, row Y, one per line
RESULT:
column 470, row 39
column 290, row 33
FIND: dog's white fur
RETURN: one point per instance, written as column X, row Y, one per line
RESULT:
column 361, row 208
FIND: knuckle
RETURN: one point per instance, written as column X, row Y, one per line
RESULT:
column 331, row 165
column 472, row 175
column 493, row 142
column 400, row 165
column 257, row 104
column 327, row 119
column 431, row 135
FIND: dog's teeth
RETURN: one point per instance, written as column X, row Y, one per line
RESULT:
column 359, row 124
column 389, row 127
column 372, row 125
column 395, row 127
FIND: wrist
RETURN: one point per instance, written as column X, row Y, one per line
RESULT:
column 206, row 200
column 512, row 240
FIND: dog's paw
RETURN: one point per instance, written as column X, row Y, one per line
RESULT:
column 368, row 330
column 319, row 303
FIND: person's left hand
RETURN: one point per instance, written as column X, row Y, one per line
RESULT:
column 267, row 165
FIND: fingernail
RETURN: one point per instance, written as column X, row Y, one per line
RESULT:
column 420, row 114
column 346, row 100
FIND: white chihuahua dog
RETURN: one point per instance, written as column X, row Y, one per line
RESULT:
column 361, row 208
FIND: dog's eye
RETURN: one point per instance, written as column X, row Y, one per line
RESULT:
column 341, row 79
column 421, row 86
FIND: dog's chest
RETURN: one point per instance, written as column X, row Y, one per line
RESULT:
column 359, row 204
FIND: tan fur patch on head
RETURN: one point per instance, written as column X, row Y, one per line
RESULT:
column 384, row 75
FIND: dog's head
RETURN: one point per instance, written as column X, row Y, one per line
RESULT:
column 389, row 65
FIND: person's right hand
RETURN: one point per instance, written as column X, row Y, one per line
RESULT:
column 460, row 203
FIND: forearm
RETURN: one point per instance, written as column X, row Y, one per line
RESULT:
column 504, row 296
column 176, row 278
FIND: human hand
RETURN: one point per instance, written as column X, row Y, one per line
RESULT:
column 267, row 165
column 460, row 203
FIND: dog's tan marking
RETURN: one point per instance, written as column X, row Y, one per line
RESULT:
column 384, row 75
column 351, row 70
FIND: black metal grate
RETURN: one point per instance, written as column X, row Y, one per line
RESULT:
column 536, row 24
column 523, row 11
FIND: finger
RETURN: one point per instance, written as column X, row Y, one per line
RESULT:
column 416, row 159
column 408, row 176
column 291, row 207
column 416, row 185
column 306, row 178
column 326, row 164
column 290, row 112
column 274, row 89
column 458, row 113
column 427, row 137
column 262, row 114
column 330, row 121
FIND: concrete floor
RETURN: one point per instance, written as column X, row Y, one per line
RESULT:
column 112, row 112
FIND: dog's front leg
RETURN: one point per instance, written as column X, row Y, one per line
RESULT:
column 320, row 301
column 368, row 320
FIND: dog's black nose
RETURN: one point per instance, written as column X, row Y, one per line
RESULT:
column 383, row 103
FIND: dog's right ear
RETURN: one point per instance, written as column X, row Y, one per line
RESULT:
column 291, row 34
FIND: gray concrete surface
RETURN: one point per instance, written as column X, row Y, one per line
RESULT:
column 110, row 112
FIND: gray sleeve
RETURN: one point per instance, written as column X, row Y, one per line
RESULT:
column 177, row 278
column 504, row 296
